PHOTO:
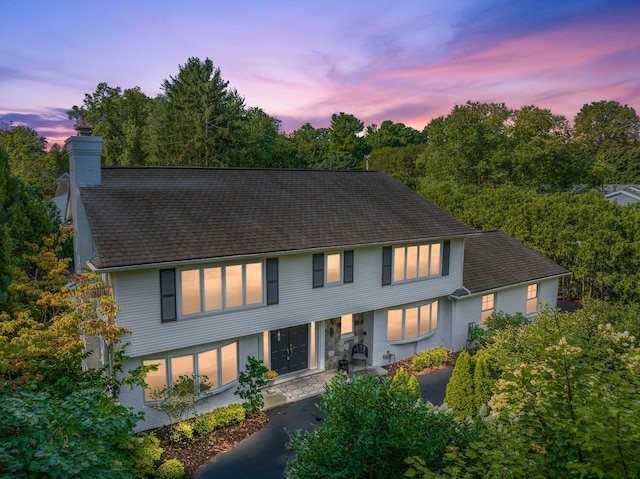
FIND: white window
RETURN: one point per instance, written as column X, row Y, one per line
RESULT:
column 221, row 287
column 488, row 307
column 419, row 261
column 412, row 322
column 334, row 268
column 346, row 325
column 218, row 366
column 532, row 298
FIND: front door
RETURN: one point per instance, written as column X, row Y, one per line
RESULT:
column 290, row 349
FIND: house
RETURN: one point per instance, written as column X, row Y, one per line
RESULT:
column 622, row 194
column 210, row 266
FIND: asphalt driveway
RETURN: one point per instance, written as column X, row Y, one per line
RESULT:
column 262, row 456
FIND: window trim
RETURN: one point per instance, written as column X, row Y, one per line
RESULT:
column 442, row 271
column 223, row 290
column 491, row 310
column 351, row 319
column 320, row 269
column 418, row 307
column 532, row 299
column 196, row 369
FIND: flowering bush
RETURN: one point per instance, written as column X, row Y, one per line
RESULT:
column 271, row 374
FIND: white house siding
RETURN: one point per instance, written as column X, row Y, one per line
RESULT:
column 134, row 398
column 138, row 295
column 441, row 337
column 510, row 300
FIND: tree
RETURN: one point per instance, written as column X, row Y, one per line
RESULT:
column 263, row 146
column 29, row 160
column 610, row 133
column 311, row 145
column 391, row 135
column 24, row 216
column 467, row 146
column 44, row 327
column 195, row 119
column 567, row 397
column 119, row 118
column 603, row 124
column 460, row 395
column 368, row 431
column 398, row 162
column 346, row 148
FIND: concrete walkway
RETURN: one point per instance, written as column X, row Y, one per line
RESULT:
column 291, row 406
column 308, row 384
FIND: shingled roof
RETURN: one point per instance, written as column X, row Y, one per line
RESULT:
column 493, row 260
column 148, row 215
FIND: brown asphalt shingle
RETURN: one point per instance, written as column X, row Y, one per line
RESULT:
column 494, row 259
column 154, row 215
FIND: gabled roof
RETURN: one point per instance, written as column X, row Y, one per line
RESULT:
column 152, row 215
column 493, row 260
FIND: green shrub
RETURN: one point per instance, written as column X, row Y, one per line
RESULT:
column 182, row 432
column 146, row 451
column 405, row 385
column 484, row 378
column 429, row 359
column 251, row 381
column 459, row 395
column 220, row 417
column 84, row 434
column 368, row 432
column 171, row 469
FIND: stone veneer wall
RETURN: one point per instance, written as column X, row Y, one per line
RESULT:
column 336, row 347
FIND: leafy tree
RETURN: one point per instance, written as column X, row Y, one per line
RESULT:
column 602, row 124
column 195, row 119
column 42, row 333
column 24, row 216
column 566, row 400
column 398, row 162
column 467, row 146
column 311, row 145
column 251, row 382
column 610, row 132
column 28, row 159
column 346, row 148
column 120, row 119
column 391, row 135
column 83, row 435
column 368, row 431
column 263, row 146
column 459, row 394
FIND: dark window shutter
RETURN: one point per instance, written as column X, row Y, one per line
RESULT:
column 386, row 265
column 272, row 281
column 318, row 270
column 168, row 295
column 446, row 252
column 347, row 267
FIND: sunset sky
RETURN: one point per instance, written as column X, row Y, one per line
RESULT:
column 301, row 61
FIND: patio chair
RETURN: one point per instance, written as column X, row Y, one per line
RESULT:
column 360, row 352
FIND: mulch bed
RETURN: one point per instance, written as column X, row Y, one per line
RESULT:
column 198, row 453
column 406, row 365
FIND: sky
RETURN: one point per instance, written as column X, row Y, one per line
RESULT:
column 407, row 61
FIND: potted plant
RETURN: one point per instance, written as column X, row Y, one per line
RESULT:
column 271, row 376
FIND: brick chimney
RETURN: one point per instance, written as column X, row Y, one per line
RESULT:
column 84, row 168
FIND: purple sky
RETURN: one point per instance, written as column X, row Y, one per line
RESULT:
column 301, row 61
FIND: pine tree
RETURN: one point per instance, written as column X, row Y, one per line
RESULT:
column 460, row 395
column 405, row 385
column 483, row 378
